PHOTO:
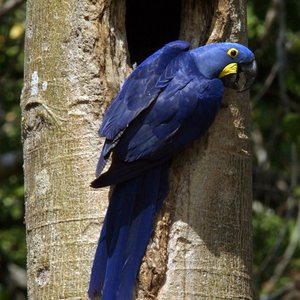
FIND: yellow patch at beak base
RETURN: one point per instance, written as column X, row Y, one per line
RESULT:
column 229, row 69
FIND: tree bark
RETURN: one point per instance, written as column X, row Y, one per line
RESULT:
column 76, row 59
column 73, row 66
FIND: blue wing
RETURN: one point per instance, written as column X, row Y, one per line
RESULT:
column 161, row 133
column 181, row 112
column 138, row 92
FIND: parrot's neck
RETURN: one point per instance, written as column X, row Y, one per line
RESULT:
column 206, row 62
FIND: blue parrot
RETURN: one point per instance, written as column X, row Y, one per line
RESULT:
column 168, row 101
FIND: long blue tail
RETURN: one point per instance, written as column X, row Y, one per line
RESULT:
column 125, row 234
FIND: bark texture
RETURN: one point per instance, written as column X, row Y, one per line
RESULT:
column 74, row 64
column 76, row 59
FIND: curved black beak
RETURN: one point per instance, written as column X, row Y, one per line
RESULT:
column 243, row 79
column 249, row 72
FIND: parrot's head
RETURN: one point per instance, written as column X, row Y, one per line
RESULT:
column 233, row 63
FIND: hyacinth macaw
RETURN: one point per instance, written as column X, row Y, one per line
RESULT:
column 168, row 101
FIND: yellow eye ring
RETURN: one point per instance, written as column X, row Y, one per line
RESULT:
column 232, row 52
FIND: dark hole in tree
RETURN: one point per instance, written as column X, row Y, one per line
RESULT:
column 149, row 25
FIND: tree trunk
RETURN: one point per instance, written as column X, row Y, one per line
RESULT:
column 73, row 66
column 76, row 58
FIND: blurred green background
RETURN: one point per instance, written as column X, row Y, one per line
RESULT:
column 274, row 35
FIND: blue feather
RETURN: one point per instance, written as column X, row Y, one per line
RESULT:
column 139, row 90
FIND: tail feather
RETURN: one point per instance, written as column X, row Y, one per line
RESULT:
column 125, row 234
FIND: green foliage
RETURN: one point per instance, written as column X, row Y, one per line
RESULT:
column 275, row 115
column 290, row 126
column 269, row 228
column 12, row 231
column 266, row 226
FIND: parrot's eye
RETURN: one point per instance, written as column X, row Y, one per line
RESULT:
column 232, row 52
